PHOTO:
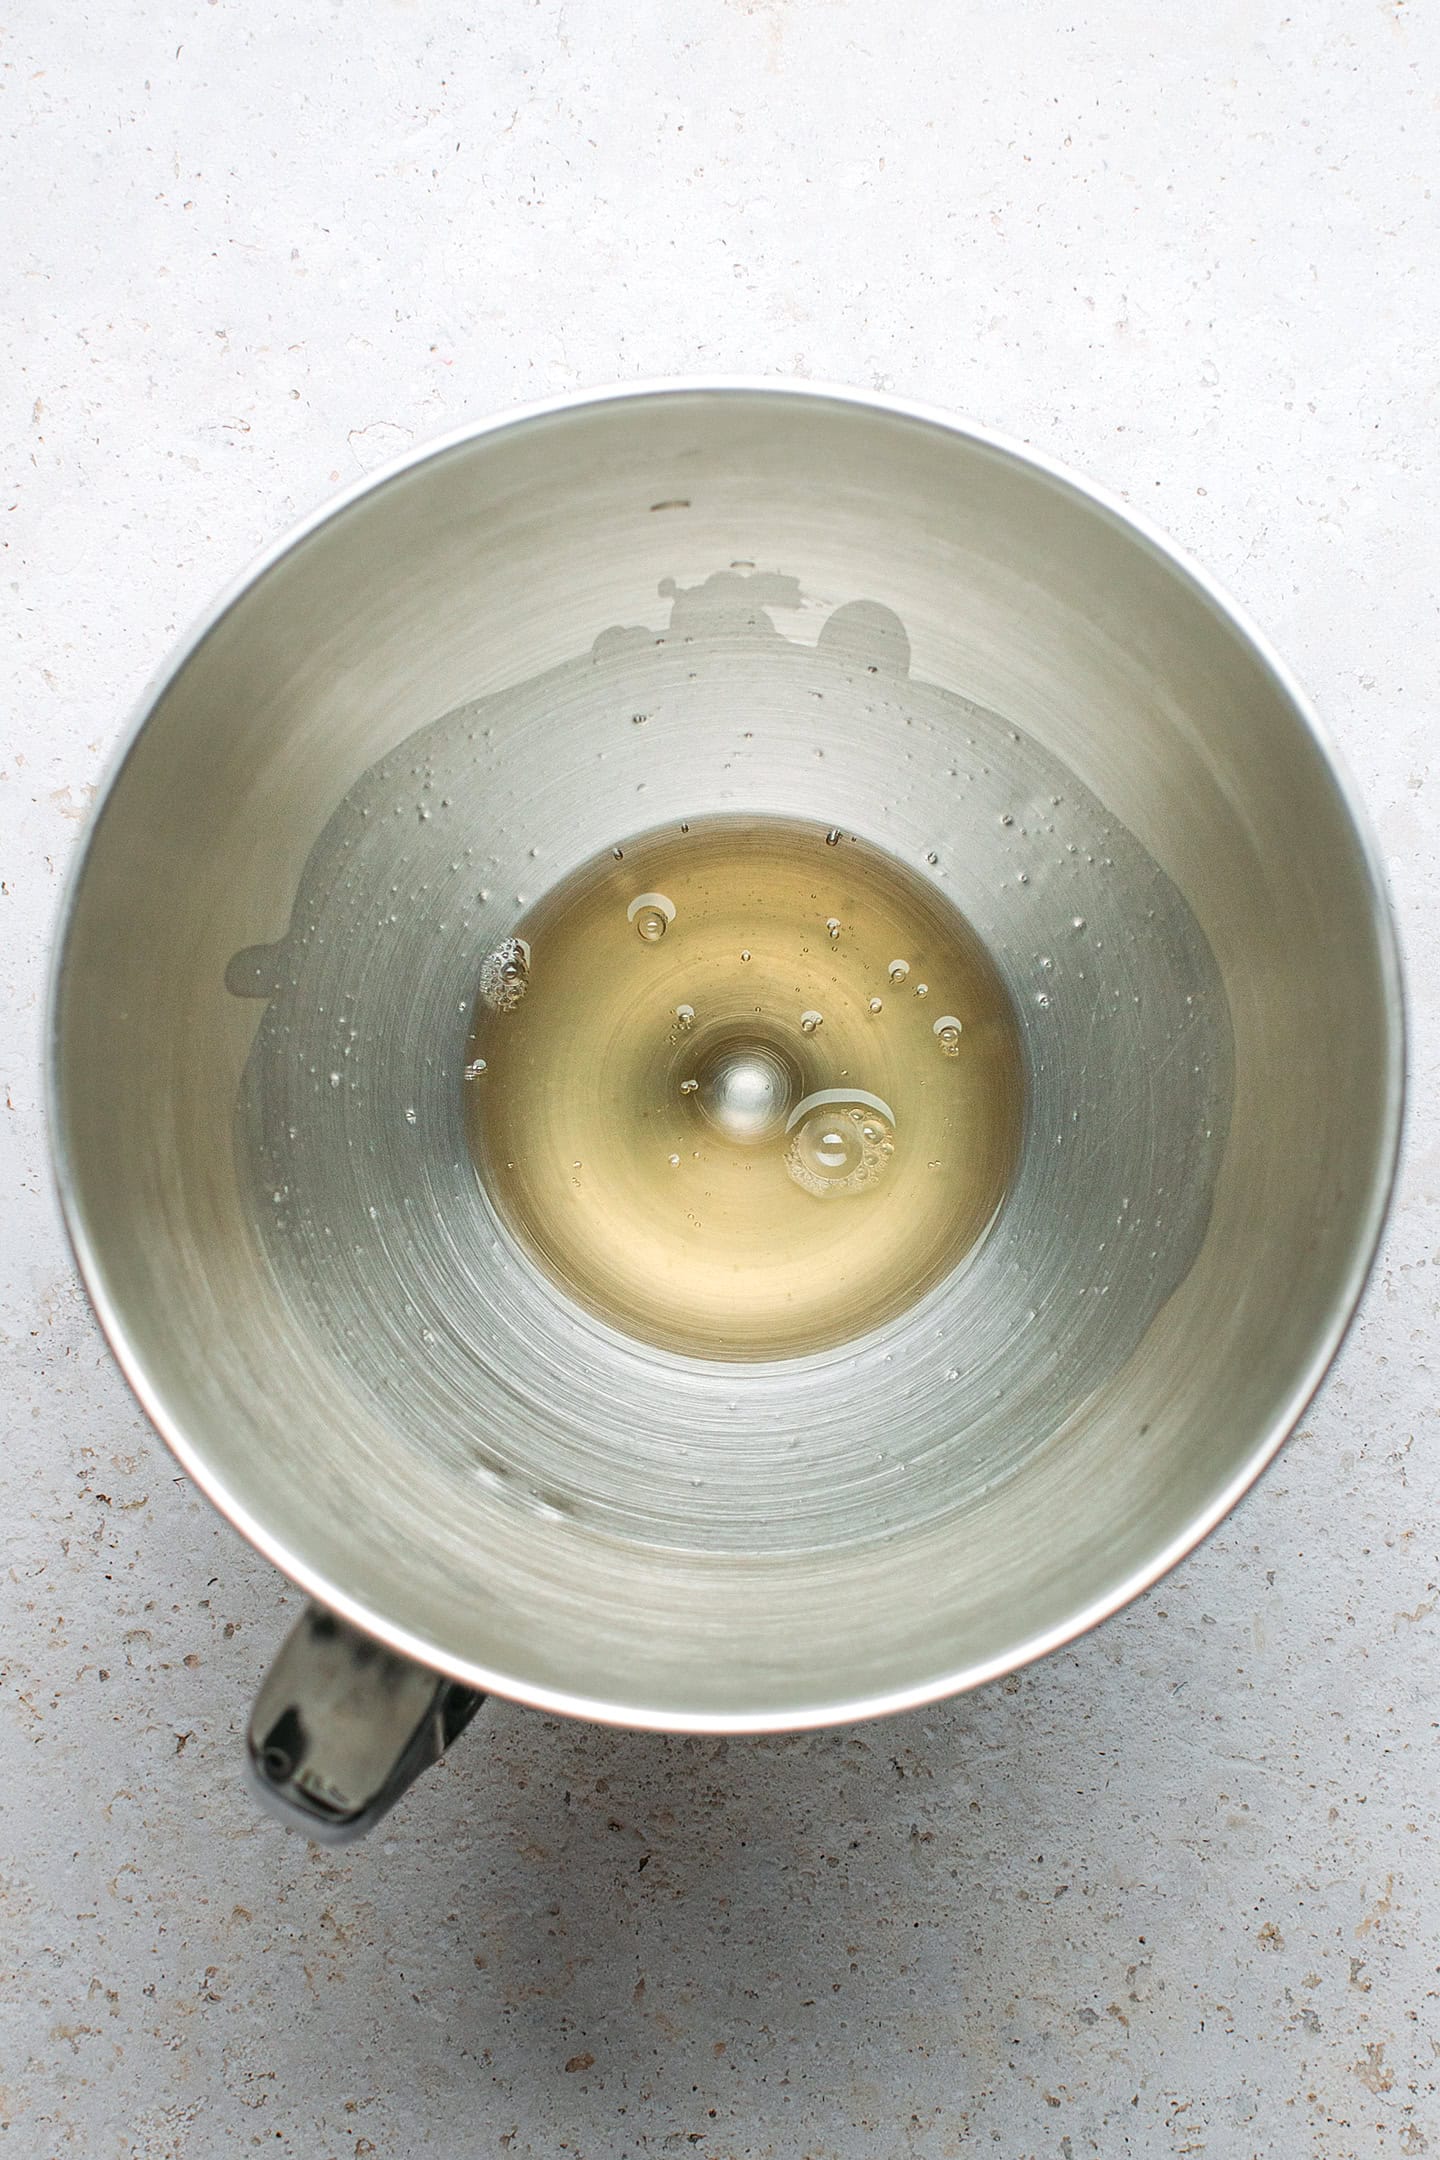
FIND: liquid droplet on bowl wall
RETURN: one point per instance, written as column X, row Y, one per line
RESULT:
column 505, row 975
column 840, row 1145
column 652, row 914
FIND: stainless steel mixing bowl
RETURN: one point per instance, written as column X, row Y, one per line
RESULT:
column 418, row 708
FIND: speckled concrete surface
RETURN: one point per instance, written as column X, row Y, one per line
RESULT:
column 1176, row 1891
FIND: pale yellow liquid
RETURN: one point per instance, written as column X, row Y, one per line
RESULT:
column 587, row 1087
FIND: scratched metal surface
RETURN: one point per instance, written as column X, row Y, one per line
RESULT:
column 1173, row 1891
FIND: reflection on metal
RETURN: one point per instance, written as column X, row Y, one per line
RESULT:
column 342, row 1726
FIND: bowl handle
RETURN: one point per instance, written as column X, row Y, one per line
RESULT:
column 341, row 1726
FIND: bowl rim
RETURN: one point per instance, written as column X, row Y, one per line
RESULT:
column 1328, row 1338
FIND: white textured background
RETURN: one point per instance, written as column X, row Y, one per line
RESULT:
column 1177, row 1891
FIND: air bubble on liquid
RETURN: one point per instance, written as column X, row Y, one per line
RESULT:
column 685, row 1014
column 505, row 975
column 839, row 1142
column 922, row 989
column 652, row 915
column 932, row 858
column 898, row 970
column 474, row 1069
column 674, row 1162
column 833, row 837
column 618, row 853
column 948, row 1031
column 1042, row 999
column 689, row 1087
column 833, row 927
column 809, row 1021
column 410, row 1114
column 334, row 1079
column 1077, row 922
column 877, row 1004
